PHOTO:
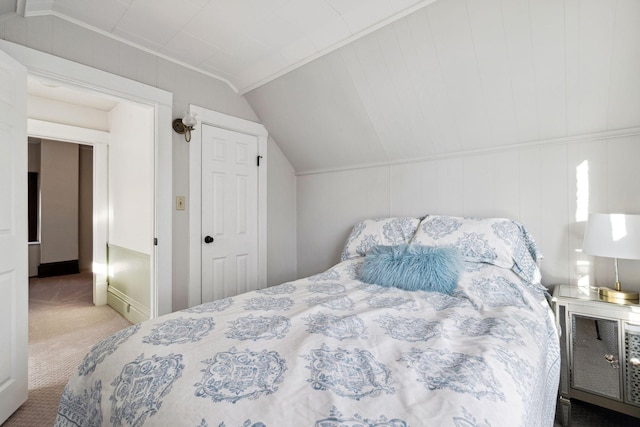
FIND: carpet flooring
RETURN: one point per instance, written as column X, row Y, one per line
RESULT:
column 63, row 325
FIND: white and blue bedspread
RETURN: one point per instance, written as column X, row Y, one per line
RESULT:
column 331, row 351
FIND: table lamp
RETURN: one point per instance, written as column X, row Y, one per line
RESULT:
column 613, row 236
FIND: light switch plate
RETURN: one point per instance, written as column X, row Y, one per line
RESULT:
column 180, row 203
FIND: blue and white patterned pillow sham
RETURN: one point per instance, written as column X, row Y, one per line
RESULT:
column 498, row 241
column 378, row 232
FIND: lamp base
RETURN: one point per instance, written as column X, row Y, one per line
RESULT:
column 617, row 295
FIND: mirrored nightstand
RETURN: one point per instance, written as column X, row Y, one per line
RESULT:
column 600, row 345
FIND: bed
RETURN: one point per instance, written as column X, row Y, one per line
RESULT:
column 332, row 350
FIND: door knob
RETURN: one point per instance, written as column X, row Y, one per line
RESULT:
column 208, row 239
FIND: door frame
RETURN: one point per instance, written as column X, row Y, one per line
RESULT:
column 224, row 121
column 65, row 72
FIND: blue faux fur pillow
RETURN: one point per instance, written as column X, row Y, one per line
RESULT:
column 413, row 267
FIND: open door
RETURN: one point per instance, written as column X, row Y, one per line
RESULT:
column 14, row 285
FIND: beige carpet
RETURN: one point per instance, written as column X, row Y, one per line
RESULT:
column 63, row 325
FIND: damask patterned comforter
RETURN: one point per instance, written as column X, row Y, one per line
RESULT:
column 330, row 350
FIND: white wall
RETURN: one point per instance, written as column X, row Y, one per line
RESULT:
column 281, row 220
column 131, row 181
column 539, row 185
column 61, row 38
column 58, row 202
column 456, row 76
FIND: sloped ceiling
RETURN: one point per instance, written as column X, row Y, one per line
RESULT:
column 346, row 83
column 244, row 42
column 460, row 75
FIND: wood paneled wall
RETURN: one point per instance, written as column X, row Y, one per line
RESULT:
column 549, row 187
column 129, row 277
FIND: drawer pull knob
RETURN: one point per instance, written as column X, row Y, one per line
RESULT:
column 613, row 360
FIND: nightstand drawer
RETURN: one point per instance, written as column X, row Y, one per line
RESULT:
column 600, row 347
column 595, row 356
column 632, row 357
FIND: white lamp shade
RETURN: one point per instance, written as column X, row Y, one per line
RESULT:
column 189, row 119
column 612, row 236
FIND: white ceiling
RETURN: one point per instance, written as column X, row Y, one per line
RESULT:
column 247, row 43
column 43, row 88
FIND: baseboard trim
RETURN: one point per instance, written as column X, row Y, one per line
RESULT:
column 59, row 268
column 129, row 308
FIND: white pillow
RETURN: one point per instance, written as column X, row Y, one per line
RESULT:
column 378, row 231
column 499, row 241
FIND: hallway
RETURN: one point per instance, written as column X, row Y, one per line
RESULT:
column 63, row 325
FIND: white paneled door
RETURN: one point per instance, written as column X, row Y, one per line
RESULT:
column 14, row 285
column 229, row 213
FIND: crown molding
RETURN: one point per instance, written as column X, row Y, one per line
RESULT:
column 43, row 12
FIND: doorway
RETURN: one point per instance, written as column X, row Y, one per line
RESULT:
column 124, row 188
column 229, row 213
column 60, row 72
column 214, row 124
column 60, row 208
column 16, row 62
column 98, row 140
